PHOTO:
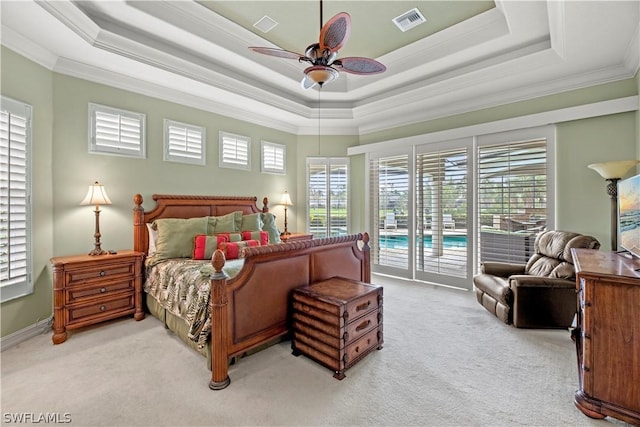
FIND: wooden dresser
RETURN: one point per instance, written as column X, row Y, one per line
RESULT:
column 90, row 289
column 337, row 322
column 607, row 335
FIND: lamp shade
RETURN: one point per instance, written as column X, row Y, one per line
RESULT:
column 286, row 200
column 615, row 169
column 96, row 195
column 321, row 74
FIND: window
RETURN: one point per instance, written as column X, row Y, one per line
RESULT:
column 440, row 208
column 273, row 158
column 114, row 131
column 235, row 151
column 441, row 211
column 15, row 199
column 390, row 200
column 184, row 143
column 328, row 193
column 512, row 199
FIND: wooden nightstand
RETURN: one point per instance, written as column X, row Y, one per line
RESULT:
column 337, row 322
column 91, row 289
column 294, row 237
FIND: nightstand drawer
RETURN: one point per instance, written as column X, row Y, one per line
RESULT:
column 81, row 276
column 97, row 289
column 361, row 306
column 101, row 309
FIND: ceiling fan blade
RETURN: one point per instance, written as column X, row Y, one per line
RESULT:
column 281, row 53
column 335, row 33
column 307, row 83
column 358, row 65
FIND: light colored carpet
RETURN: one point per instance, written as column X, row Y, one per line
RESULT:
column 445, row 362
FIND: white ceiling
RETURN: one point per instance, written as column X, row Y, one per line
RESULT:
column 186, row 52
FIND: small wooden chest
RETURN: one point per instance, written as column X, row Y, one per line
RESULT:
column 337, row 322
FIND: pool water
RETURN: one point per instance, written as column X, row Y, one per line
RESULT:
column 402, row 242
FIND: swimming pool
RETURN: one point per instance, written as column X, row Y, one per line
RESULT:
column 402, row 242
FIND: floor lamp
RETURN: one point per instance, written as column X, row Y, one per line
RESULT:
column 96, row 196
column 613, row 172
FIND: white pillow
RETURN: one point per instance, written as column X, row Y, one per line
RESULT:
column 153, row 236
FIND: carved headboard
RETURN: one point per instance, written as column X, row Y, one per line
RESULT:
column 186, row 206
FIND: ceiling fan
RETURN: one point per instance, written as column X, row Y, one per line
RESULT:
column 323, row 55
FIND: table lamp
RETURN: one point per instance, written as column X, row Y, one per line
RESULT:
column 96, row 196
column 286, row 201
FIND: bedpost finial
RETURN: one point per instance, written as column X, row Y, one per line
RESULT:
column 265, row 205
column 218, row 260
column 137, row 199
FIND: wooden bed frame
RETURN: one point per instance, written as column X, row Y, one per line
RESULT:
column 252, row 308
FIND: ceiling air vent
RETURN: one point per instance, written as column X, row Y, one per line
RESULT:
column 409, row 19
column 265, row 24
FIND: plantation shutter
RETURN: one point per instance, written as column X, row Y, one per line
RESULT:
column 234, row 151
column 389, row 187
column 512, row 199
column 328, row 191
column 116, row 131
column 184, row 143
column 441, row 211
column 15, row 136
column 273, row 157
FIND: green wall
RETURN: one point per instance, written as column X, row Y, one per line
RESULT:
column 23, row 81
column 62, row 167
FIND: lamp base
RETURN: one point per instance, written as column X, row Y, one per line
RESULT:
column 98, row 251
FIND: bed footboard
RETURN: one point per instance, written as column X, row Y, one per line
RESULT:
column 252, row 308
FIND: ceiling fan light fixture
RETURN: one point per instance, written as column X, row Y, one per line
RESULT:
column 321, row 74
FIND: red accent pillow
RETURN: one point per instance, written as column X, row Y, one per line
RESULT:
column 204, row 246
column 260, row 236
column 234, row 250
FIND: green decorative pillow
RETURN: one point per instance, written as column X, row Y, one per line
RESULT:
column 229, row 223
column 269, row 225
column 251, row 222
column 175, row 236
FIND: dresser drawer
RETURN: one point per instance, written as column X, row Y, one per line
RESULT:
column 80, row 276
column 361, row 347
column 101, row 308
column 99, row 288
column 360, row 306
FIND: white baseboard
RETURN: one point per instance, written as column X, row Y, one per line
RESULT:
column 24, row 334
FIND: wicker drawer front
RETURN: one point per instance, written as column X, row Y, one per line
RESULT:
column 98, row 289
column 77, row 277
column 101, row 309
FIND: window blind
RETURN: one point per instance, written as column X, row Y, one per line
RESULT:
column 15, row 214
column 234, row 151
column 389, row 187
column 441, row 211
column 328, row 190
column 115, row 131
column 273, row 157
column 512, row 199
column 184, row 143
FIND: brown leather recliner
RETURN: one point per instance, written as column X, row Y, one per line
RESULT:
column 540, row 293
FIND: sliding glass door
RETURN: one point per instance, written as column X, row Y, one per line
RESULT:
column 440, row 209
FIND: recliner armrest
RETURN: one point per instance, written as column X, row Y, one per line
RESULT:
column 540, row 282
column 502, row 269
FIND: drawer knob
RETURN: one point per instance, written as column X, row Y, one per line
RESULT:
column 103, row 290
column 103, row 273
column 363, row 325
column 103, row 307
